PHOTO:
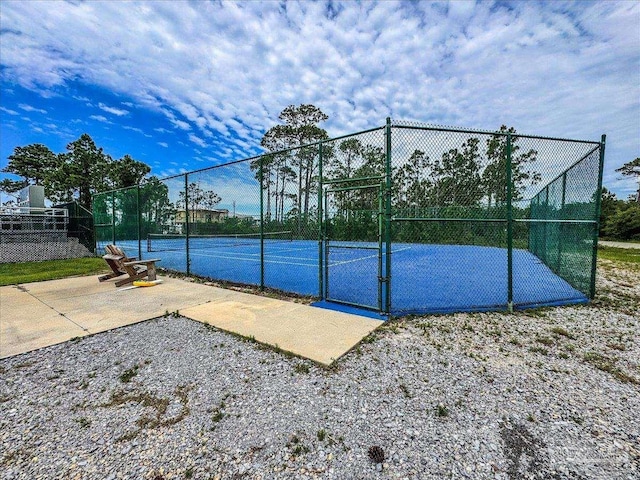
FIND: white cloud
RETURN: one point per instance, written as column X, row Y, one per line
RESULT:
column 553, row 68
column 29, row 108
column 9, row 111
column 197, row 140
column 115, row 111
column 100, row 118
column 163, row 144
column 133, row 129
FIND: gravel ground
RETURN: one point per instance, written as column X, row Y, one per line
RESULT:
column 551, row 393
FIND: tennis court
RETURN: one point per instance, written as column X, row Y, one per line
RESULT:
column 402, row 218
column 425, row 278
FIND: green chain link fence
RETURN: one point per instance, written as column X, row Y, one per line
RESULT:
column 403, row 218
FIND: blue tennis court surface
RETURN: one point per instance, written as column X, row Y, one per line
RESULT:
column 424, row 278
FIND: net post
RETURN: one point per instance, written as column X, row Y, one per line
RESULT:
column 261, row 180
column 186, row 219
column 596, row 225
column 320, row 236
column 138, row 221
column 387, row 306
column 509, row 228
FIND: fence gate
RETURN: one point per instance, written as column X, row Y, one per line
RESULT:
column 352, row 231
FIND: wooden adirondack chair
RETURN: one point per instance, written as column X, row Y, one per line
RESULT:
column 121, row 264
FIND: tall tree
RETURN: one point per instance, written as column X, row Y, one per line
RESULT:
column 300, row 127
column 494, row 177
column 84, row 169
column 412, row 180
column 632, row 169
column 127, row 172
column 458, row 175
column 198, row 198
column 34, row 163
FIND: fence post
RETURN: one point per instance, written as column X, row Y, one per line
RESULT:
column 261, row 179
column 388, row 217
column 509, row 228
column 320, row 231
column 596, row 226
column 561, row 225
column 186, row 219
column 113, row 218
column 138, row 218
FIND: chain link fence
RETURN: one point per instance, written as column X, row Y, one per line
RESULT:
column 404, row 218
column 45, row 233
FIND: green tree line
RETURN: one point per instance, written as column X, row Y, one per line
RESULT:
column 76, row 174
column 620, row 219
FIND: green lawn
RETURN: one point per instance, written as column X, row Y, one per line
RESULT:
column 631, row 255
column 13, row 273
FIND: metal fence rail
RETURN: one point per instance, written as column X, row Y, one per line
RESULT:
column 403, row 218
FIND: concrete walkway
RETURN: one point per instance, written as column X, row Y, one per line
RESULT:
column 37, row 315
column 606, row 243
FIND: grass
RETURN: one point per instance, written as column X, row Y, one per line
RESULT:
column 629, row 255
column 27, row 272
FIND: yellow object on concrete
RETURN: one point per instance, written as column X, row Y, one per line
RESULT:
column 146, row 283
column 36, row 315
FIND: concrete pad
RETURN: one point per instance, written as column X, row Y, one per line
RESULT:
column 27, row 324
column 37, row 315
column 314, row 333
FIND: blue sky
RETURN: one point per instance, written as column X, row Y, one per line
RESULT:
column 186, row 85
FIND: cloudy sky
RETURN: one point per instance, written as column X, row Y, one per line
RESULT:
column 185, row 85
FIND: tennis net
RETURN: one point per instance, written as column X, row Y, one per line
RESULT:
column 159, row 242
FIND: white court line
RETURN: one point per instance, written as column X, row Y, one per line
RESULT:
column 289, row 262
column 249, row 255
column 365, row 258
column 257, row 260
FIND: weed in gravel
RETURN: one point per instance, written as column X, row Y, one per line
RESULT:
column 608, row 364
column 577, row 419
column 405, row 390
column 301, row 368
column 321, row 435
column 151, row 401
column 563, row 355
column 217, row 416
column 188, row 473
column 531, row 418
column 562, row 332
column 25, row 364
column 298, row 448
column 494, row 333
column 515, row 341
column 369, row 338
column 540, row 350
column 83, row 422
column 545, row 341
column 128, row 374
column 442, row 410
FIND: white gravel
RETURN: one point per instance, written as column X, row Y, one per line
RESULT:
column 546, row 394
